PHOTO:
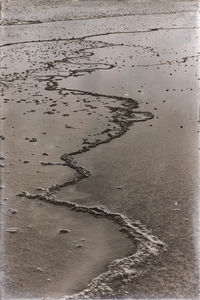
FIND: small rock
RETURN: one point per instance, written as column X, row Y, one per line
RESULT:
column 120, row 187
column 26, row 161
column 63, row 230
column 33, row 140
column 41, row 189
column 176, row 209
column 39, row 269
column 12, row 230
column 79, row 246
column 13, row 211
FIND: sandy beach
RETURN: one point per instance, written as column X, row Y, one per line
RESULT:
column 99, row 149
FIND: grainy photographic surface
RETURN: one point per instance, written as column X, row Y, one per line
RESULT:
column 99, row 153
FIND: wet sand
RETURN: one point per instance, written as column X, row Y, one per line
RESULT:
column 99, row 139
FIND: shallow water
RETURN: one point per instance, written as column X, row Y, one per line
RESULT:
column 65, row 86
